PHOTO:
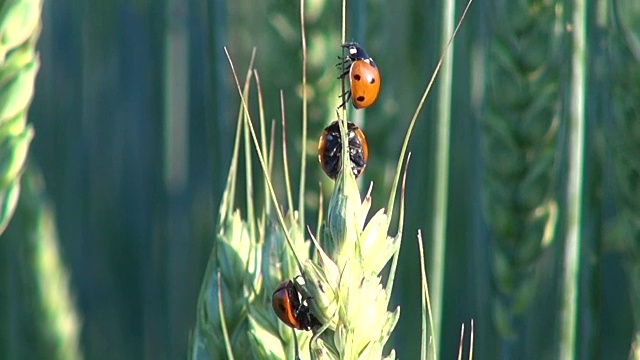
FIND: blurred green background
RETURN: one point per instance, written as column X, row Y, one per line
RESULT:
column 134, row 114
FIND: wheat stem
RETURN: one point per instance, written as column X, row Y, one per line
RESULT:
column 443, row 128
column 303, row 160
column 573, row 240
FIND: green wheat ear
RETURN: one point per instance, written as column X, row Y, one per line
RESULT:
column 250, row 257
column 519, row 143
column 19, row 32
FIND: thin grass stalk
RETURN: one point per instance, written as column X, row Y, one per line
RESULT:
column 264, row 148
column 320, row 212
column 471, row 336
column 343, row 39
column 519, row 146
column 303, row 158
column 461, row 342
column 426, row 342
column 441, row 183
column 271, row 153
column 573, row 240
column 285, row 159
column 263, row 142
column 248, row 164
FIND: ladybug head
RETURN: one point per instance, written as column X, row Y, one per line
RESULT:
column 355, row 51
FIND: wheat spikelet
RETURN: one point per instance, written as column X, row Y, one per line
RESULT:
column 345, row 283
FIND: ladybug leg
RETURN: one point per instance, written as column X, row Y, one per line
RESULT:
column 344, row 66
column 344, row 73
column 344, row 61
column 345, row 98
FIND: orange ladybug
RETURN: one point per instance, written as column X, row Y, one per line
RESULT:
column 330, row 150
column 291, row 308
column 364, row 77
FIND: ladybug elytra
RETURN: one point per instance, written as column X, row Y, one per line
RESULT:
column 364, row 77
column 330, row 150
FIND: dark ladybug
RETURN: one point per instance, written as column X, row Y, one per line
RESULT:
column 330, row 150
column 292, row 308
column 364, row 77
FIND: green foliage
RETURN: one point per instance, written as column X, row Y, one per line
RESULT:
column 248, row 261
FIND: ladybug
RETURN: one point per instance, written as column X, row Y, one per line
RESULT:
column 291, row 308
column 330, row 150
column 364, row 77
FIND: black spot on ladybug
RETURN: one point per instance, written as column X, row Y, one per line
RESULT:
column 356, row 77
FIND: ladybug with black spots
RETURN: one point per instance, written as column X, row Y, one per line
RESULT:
column 330, row 150
column 291, row 308
column 364, row 77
